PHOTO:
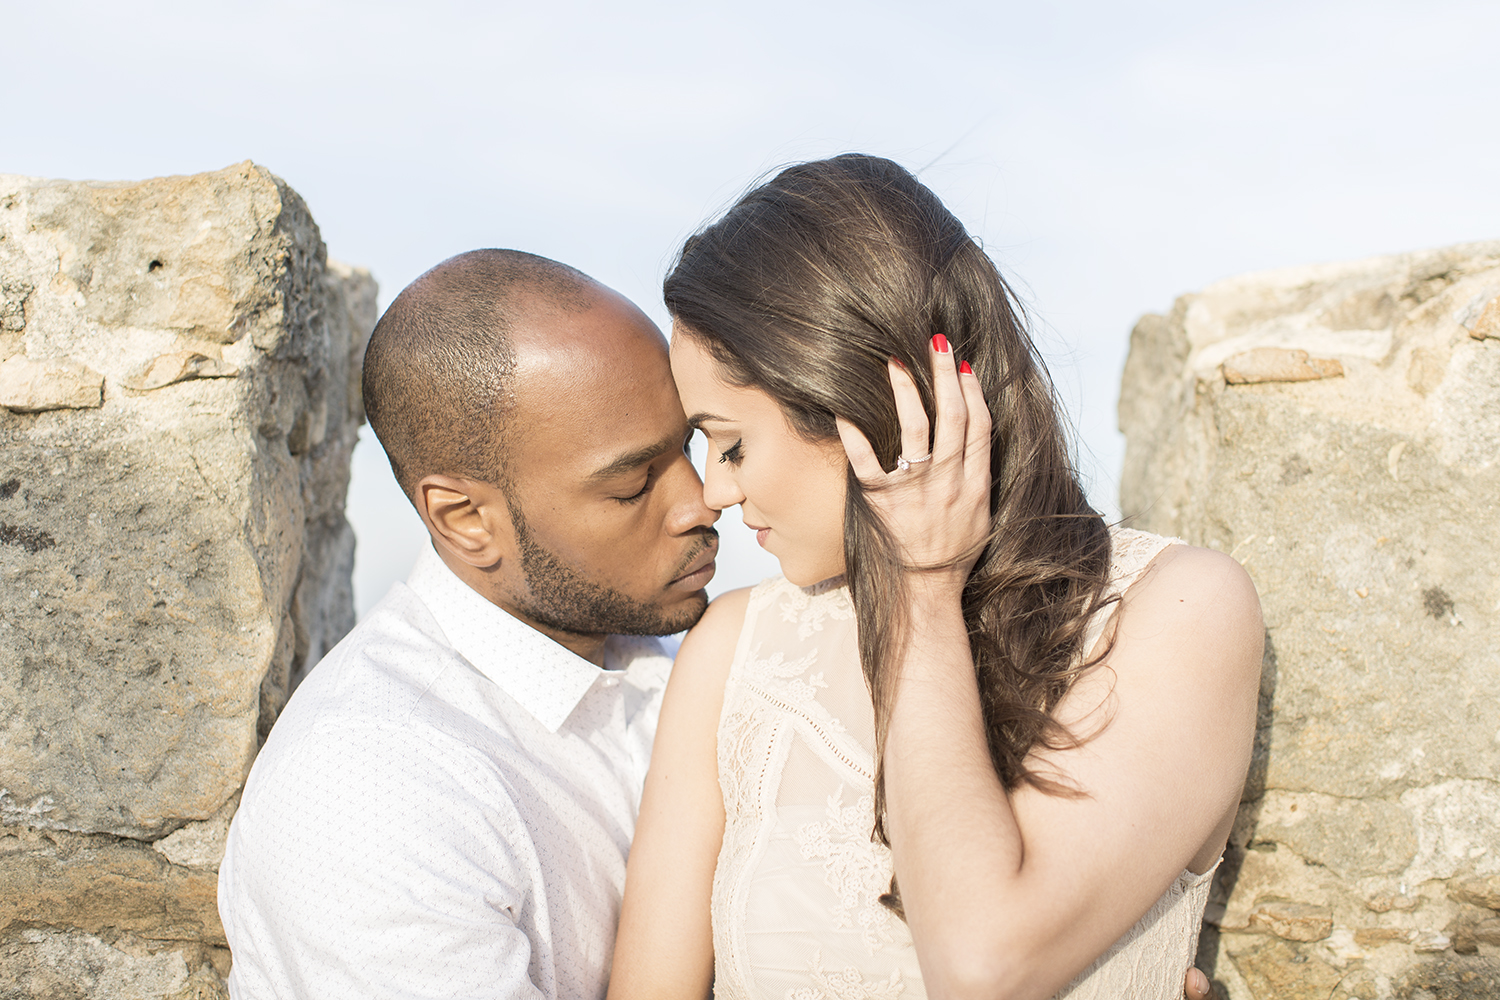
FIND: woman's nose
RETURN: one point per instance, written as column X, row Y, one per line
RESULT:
column 720, row 490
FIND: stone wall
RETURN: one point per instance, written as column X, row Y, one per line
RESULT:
column 179, row 398
column 1337, row 429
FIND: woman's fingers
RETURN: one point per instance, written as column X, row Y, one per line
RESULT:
column 914, row 436
column 977, row 441
column 861, row 455
column 952, row 413
column 936, row 503
column 963, row 419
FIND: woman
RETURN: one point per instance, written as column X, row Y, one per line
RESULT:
column 973, row 743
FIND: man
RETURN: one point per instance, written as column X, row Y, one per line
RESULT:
column 445, row 806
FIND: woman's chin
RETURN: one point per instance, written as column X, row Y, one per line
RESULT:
column 808, row 576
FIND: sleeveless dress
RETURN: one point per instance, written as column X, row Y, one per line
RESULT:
column 795, row 908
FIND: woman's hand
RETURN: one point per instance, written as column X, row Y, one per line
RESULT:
column 935, row 505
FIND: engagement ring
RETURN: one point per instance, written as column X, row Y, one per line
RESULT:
column 903, row 463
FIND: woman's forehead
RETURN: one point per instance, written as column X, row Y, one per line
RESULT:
column 695, row 371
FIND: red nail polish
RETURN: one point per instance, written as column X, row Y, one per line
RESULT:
column 897, row 362
column 963, row 367
column 940, row 343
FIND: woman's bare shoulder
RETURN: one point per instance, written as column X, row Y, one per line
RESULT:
column 1197, row 593
column 710, row 644
column 729, row 605
column 695, row 692
column 724, row 618
column 1180, row 568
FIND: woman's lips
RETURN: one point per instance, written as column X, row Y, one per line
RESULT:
column 761, row 534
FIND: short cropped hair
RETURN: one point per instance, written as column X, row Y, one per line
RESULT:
column 439, row 367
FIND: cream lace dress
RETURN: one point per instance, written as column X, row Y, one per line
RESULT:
column 795, row 896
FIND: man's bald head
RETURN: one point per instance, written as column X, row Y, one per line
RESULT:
column 439, row 368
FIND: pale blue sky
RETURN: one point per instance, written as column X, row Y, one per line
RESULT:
column 1111, row 156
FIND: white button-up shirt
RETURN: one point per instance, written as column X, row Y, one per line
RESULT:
column 443, row 810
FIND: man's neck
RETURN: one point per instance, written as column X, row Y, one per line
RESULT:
column 482, row 581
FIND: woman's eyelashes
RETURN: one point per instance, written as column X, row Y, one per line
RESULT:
column 734, row 454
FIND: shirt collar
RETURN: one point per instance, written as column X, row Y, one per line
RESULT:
column 544, row 677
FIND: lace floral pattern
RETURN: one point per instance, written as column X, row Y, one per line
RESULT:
column 855, row 868
column 782, row 680
column 772, row 701
column 809, row 607
column 1149, row 960
column 846, row 984
column 746, row 754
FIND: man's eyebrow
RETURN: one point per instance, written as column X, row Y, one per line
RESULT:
column 697, row 419
column 632, row 460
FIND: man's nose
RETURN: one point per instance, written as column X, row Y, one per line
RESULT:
column 688, row 511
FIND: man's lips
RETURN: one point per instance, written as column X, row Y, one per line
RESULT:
column 701, row 569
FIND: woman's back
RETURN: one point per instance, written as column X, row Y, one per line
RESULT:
column 796, row 909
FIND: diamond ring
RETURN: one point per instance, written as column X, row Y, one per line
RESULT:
column 903, row 463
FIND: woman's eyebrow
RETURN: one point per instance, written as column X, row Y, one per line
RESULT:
column 697, row 419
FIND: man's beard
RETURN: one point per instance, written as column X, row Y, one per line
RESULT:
column 564, row 599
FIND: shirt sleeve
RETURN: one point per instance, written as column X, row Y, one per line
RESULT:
column 369, row 862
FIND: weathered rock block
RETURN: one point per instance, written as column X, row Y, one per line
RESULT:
column 171, row 555
column 62, row 965
column 1337, row 429
column 99, row 884
column 28, row 386
column 179, row 398
column 1294, row 921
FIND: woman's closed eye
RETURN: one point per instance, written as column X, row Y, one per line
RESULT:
column 734, row 454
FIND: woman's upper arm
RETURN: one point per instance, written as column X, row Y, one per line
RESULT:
column 665, row 943
column 1172, row 717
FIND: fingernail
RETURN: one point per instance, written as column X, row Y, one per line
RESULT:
column 964, row 369
column 897, row 362
column 940, row 343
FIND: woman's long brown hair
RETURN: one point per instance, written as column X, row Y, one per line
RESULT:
column 803, row 290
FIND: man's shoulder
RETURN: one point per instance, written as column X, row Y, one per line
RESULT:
column 379, row 669
column 345, row 766
column 400, row 631
column 360, row 753
column 393, row 682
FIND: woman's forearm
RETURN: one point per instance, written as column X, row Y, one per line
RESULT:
column 955, row 843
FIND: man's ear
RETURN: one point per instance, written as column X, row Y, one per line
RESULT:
column 468, row 519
